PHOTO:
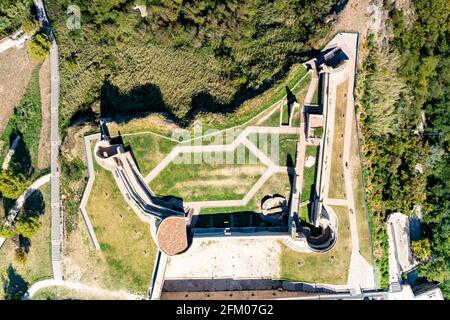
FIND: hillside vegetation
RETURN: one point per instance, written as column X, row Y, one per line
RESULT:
column 406, row 78
column 13, row 15
column 185, row 56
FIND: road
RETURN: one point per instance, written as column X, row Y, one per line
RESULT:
column 56, row 231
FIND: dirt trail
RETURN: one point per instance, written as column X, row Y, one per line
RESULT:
column 15, row 73
column 44, row 140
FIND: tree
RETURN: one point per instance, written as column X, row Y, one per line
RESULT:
column 421, row 249
column 11, row 186
column 27, row 226
column 7, row 232
column 29, row 26
column 39, row 47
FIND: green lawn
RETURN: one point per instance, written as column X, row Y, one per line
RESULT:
column 148, row 150
column 282, row 152
column 337, row 184
column 331, row 267
column 38, row 262
column 300, row 94
column 254, row 106
column 212, row 178
column 273, row 120
column 303, row 214
column 316, row 97
column 127, row 249
column 60, row 293
column 277, row 184
column 309, row 174
column 285, row 114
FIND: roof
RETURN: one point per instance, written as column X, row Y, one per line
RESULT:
column 172, row 236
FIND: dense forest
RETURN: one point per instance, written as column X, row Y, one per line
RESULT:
column 407, row 159
column 183, row 56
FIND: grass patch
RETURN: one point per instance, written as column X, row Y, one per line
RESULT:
column 317, row 94
column 27, row 122
column 38, row 262
column 282, row 152
column 337, row 183
column 309, row 174
column 148, row 150
column 285, row 114
column 279, row 183
column 300, row 94
column 303, row 214
column 358, row 193
column 273, row 120
column 60, row 293
column 331, row 267
column 212, row 178
column 129, row 251
column 254, row 106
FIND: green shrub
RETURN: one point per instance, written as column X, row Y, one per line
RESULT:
column 421, row 249
column 39, row 47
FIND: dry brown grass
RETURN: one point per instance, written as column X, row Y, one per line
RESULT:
column 127, row 247
column 15, row 70
column 44, row 139
column 337, row 167
column 358, row 192
column 38, row 264
column 73, row 144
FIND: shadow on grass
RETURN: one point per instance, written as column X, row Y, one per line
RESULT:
column 14, row 285
column 21, row 160
column 147, row 98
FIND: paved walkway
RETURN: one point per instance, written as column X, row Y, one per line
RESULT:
column 361, row 272
column 13, row 41
column 10, row 153
column 87, row 190
column 21, row 200
column 337, row 202
column 56, row 223
column 77, row 286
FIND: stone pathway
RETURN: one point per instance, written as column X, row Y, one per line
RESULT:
column 87, row 190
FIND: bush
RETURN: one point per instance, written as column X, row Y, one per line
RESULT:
column 421, row 249
column 11, row 186
column 20, row 256
column 39, row 47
